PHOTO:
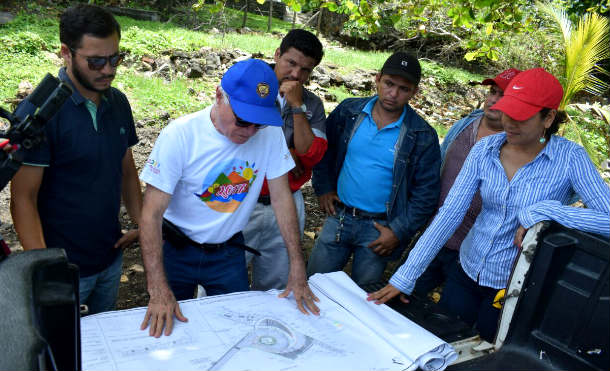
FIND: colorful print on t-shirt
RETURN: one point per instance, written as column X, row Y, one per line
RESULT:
column 226, row 186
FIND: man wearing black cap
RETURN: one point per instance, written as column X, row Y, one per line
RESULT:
column 204, row 176
column 379, row 179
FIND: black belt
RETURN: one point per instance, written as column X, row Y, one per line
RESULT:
column 178, row 239
column 359, row 213
column 264, row 199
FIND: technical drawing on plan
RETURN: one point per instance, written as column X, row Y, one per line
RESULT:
column 256, row 330
column 269, row 335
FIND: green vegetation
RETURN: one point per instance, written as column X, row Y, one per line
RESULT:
column 340, row 92
column 219, row 16
column 448, row 75
column 586, row 43
column 28, row 47
column 29, row 41
column 591, row 131
column 152, row 97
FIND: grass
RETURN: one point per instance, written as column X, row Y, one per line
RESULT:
column 340, row 92
column 27, row 42
column 172, row 97
column 25, row 39
column 19, row 67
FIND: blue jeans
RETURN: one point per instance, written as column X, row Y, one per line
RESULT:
column 471, row 303
column 99, row 291
column 343, row 235
column 437, row 272
column 219, row 272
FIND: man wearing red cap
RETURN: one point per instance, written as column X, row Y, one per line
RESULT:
column 455, row 148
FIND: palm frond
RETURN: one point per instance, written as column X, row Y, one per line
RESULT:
column 589, row 44
column 591, row 150
column 560, row 16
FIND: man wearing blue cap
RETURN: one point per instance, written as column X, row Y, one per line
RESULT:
column 203, row 179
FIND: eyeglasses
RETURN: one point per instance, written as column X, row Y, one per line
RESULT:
column 245, row 124
column 98, row 63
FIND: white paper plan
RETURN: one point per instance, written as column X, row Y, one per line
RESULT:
column 259, row 331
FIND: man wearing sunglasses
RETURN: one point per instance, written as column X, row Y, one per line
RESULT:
column 204, row 176
column 68, row 193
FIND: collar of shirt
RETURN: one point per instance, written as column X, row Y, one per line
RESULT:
column 368, row 109
column 281, row 100
column 77, row 97
column 496, row 142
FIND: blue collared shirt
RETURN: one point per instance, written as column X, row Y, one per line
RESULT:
column 538, row 191
column 365, row 180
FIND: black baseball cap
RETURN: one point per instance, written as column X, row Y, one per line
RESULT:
column 403, row 64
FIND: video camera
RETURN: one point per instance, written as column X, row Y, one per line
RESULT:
column 48, row 97
column 38, row 289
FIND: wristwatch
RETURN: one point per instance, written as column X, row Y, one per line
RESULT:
column 301, row 109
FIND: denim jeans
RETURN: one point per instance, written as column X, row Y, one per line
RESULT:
column 437, row 272
column 99, row 291
column 343, row 235
column 471, row 302
column 270, row 270
column 219, row 272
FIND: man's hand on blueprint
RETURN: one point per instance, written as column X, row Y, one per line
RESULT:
column 385, row 294
column 297, row 284
column 162, row 307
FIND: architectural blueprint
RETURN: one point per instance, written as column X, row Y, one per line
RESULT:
column 257, row 330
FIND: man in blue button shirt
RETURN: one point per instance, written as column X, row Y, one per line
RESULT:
column 68, row 192
column 379, row 179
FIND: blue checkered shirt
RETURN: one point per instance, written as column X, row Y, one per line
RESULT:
column 538, row 191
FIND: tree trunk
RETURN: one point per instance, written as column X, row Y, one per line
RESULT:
column 320, row 13
column 245, row 18
column 221, row 16
column 294, row 18
column 270, row 15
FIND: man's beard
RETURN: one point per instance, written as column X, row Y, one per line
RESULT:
column 81, row 80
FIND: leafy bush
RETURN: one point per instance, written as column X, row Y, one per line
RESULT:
column 591, row 131
column 144, row 42
column 23, row 42
column 531, row 50
column 448, row 76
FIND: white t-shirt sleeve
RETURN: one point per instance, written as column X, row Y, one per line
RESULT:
column 164, row 167
column 280, row 159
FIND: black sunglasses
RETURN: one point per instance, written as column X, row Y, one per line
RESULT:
column 246, row 124
column 97, row 63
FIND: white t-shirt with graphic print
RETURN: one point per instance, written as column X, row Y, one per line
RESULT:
column 214, row 182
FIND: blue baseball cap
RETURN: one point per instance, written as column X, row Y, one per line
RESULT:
column 252, row 89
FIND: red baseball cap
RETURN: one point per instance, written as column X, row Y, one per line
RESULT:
column 502, row 79
column 529, row 92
